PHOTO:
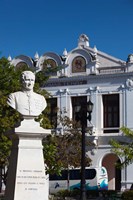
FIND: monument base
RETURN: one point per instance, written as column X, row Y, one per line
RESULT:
column 26, row 175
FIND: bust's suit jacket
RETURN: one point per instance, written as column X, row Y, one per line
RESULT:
column 31, row 104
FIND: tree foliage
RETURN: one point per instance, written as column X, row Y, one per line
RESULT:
column 9, row 82
column 124, row 149
column 68, row 146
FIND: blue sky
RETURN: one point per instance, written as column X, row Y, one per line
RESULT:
column 28, row 26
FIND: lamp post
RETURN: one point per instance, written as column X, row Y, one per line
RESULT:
column 81, row 116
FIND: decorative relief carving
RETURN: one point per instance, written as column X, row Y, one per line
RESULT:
column 49, row 63
column 129, row 83
column 78, row 64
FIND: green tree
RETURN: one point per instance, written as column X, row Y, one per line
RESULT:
column 5, row 145
column 67, row 147
column 124, row 148
column 9, row 82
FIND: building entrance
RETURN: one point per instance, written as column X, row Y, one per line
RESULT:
column 114, row 173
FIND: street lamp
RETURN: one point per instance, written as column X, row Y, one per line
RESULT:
column 81, row 116
column 89, row 109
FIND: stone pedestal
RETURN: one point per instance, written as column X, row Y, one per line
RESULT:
column 26, row 176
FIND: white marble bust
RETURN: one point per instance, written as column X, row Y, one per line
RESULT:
column 26, row 101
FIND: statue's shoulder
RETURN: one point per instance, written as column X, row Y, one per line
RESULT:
column 16, row 94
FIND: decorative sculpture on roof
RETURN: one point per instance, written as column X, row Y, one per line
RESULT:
column 129, row 83
column 130, row 58
column 83, row 40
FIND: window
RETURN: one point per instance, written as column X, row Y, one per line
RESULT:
column 74, row 174
column 52, row 111
column 79, row 101
column 78, row 65
column 63, row 176
column 111, row 113
column 50, row 66
column 21, row 65
column 90, row 174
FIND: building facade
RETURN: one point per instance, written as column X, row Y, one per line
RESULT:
column 84, row 74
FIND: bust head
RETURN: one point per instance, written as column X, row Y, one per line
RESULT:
column 27, row 80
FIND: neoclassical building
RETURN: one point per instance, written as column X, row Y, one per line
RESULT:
column 87, row 73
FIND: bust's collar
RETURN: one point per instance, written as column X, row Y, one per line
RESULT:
column 28, row 93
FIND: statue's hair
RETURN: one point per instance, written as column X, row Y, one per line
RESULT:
column 25, row 73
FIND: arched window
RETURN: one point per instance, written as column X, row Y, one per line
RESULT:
column 50, row 66
column 78, row 64
column 21, row 65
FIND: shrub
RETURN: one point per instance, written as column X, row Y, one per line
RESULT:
column 1, row 196
column 67, row 193
column 92, row 193
column 89, row 193
column 127, row 195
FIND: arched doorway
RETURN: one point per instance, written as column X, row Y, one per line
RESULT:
column 114, row 174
